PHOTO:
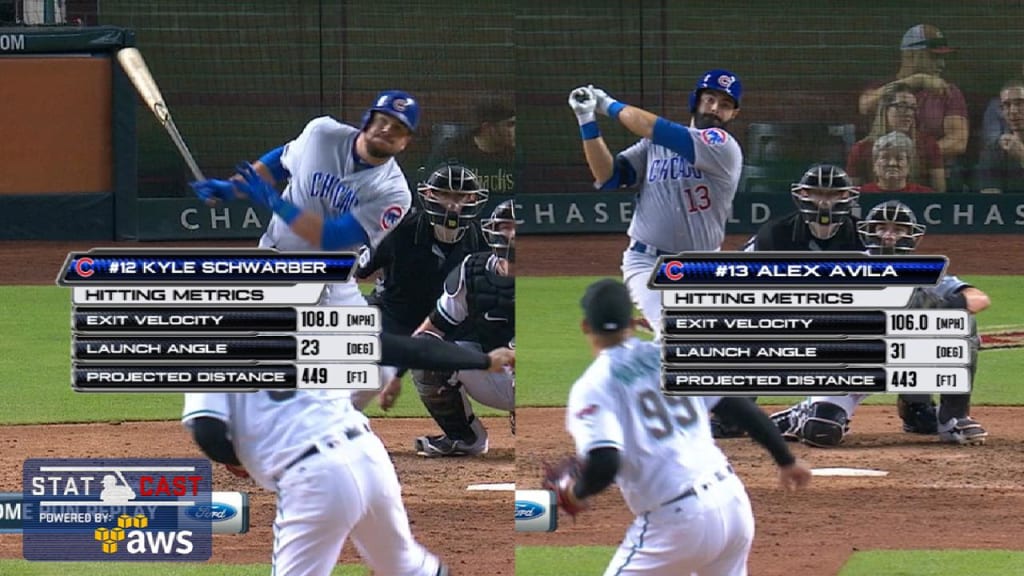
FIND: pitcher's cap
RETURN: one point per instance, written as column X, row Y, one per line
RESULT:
column 607, row 306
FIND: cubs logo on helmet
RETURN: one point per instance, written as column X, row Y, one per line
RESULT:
column 718, row 79
column 397, row 104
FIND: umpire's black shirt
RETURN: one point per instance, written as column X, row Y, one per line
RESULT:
column 791, row 234
column 414, row 265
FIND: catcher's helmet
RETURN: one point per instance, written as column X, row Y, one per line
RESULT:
column 502, row 243
column 397, row 104
column 452, row 197
column 721, row 80
column 833, row 209
column 879, row 240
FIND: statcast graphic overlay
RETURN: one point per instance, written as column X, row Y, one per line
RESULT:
column 154, row 320
column 787, row 323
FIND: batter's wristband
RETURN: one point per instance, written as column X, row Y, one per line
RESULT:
column 589, row 131
column 286, row 210
column 614, row 109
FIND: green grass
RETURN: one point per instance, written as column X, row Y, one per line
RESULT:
column 562, row 560
column 25, row 568
column 934, row 563
column 35, row 370
column 553, row 352
column 588, row 560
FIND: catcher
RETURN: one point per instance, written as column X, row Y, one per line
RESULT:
column 693, row 515
column 892, row 228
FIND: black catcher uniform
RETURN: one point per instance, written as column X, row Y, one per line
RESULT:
column 428, row 244
column 479, row 294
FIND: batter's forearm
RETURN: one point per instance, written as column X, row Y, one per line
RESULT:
column 638, row 121
column 309, row 227
column 599, row 159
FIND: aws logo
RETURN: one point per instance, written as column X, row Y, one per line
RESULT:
column 130, row 537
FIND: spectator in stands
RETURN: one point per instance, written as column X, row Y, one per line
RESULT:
column 893, row 161
column 994, row 124
column 1001, row 167
column 897, row 110
column 941, row 107
column 488, row 149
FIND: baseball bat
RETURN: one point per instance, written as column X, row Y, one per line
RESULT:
column 135, row 67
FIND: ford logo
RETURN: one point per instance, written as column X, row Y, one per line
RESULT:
column 216, row 512
column 526, row 510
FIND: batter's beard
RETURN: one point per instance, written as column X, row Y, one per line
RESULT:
column 376, row 152
column 703, row 121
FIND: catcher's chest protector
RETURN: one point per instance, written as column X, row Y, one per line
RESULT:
column 492, row 303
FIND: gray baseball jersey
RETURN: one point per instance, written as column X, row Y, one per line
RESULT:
column 325, row 180
column 683, row 206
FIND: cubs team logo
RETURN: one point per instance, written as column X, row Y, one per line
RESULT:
column 726, row 81
column 714, row 136
column 392, row 215
column 400, row 104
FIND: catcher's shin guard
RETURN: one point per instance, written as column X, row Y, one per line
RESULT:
column 447, row 405
column 824, row 425
column 918, row 413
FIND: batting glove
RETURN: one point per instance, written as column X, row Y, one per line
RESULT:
column 583, row 102
column 220, row 190
column 606, row 105
column 263, row 194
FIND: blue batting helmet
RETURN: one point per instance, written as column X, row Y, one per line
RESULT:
column 721, row 80
column 397, row 104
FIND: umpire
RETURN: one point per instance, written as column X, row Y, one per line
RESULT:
column 824, row 221
column 428, row 244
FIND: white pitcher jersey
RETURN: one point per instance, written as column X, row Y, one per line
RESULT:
column 271, row 429
column 683, row 206
column 664, row 441
column 326, row 180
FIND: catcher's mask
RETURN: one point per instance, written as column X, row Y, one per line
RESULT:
column 891, row 228
column 451, row 197
column 825, row 196
column 500, row 230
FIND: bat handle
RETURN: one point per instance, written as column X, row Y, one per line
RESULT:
column 186, row 154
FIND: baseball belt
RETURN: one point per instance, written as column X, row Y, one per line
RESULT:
column 350, row 434
column 692, row 490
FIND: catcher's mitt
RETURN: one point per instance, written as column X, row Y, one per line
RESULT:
column 560, row 477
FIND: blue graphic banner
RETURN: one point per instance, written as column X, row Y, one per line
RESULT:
column 242, row 266
column 792, row 269
column 133, row 510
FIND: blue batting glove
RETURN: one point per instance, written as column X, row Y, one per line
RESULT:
column 263, row 194
column 221, row 190
column 255, row 187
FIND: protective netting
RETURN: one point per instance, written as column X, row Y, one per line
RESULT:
column 242, row 78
